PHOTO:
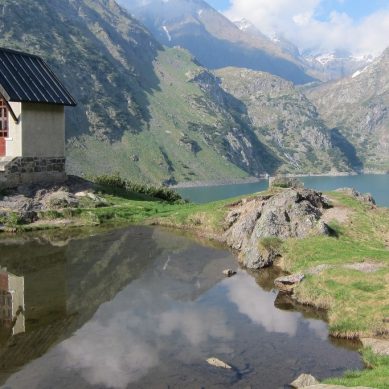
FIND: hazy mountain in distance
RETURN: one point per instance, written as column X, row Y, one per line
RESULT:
column 358, row 108
column 323, row 66
column 335, row 65
column 214, row 40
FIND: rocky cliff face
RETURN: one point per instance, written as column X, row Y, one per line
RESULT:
column 285, row 120
column 213, row 39
column 357, row 108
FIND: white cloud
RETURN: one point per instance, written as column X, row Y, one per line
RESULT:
column 297, row 21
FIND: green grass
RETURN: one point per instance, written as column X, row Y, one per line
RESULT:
column 375, row 375
column 357, row 302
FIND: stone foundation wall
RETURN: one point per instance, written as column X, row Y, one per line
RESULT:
column 31, row 170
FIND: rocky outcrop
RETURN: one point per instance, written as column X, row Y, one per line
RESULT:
column 24, row 204
column 257, row 226
column 362, row 197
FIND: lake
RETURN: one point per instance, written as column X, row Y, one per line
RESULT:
column 144, row 307
column 377, row 185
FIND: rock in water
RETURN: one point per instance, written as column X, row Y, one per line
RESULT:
column 303, row 381
column 229, row 272
column 256, row 226
column 218, row 363
column 288, row 283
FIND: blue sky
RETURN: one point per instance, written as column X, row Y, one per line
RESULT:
column 357, row 9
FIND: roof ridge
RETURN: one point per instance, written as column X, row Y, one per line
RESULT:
column 18, row 52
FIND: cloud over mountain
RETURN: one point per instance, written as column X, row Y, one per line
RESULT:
column 303, row 23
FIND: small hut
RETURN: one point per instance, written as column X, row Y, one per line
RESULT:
column 32, row 120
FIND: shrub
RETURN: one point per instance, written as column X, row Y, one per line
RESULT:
column 285, row 182
column 116, row 182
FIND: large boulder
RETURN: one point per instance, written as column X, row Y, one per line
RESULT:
column 256, row 227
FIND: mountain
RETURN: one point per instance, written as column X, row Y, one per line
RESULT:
column 358, row 107
column 334, row 65
column 143, row 111
column 321, row 66
column 214, row 40
column 146, row 112
column 286, row 121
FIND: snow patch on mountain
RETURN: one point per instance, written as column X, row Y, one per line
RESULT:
column 167, row 31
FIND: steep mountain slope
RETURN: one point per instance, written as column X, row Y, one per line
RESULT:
column 358, row 107
column 214, row 40
column 141, row 110
column 286, row 121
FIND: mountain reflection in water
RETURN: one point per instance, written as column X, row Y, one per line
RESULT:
column 145, row 308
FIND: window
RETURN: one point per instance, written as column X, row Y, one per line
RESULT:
column 3, row 119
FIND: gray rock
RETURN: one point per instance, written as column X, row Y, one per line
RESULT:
column 288, row 283
column 379, row 346
column 303, row 381
column 256, row 227
column 59, row 200
column 229, row 272
column 362, row 197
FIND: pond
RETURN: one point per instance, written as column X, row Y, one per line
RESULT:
column 377, row 185
column 144, row 307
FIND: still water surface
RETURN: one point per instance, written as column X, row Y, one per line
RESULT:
column 377, row 185
column 144, row 308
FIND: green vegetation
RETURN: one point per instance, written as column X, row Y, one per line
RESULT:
column 270, row 243
column 115, row 182
column 376, row 375
column 357, row 301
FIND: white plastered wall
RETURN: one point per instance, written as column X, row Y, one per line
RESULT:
column 43, row 130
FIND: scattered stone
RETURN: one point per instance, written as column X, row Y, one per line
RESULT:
column 379, row 346
column 218, row 363
column 318, row 269
column 362, row 197
column 364, row 267
column 303, row 381
column 81, row 194
column 288, row 283
column 135, row 158
column 229, row 272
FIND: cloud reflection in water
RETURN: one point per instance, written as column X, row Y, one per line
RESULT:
column 258, row 305
column 121, row 349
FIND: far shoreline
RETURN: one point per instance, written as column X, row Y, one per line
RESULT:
column 254, row 180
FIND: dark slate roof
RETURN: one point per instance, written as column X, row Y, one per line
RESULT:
column 27, row 78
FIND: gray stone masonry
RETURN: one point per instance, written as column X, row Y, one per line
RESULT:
column 30, row 170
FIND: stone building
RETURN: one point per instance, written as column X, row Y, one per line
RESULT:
column 32, row 121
